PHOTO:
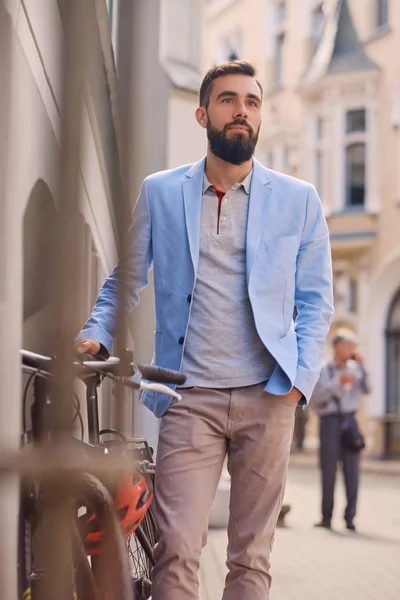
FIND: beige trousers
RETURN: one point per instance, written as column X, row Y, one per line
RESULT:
column 255, row 430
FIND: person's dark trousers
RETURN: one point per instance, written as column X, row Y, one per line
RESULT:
column 332, row 452
column 300, row 428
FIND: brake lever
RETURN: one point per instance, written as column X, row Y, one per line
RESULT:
column 160, row 388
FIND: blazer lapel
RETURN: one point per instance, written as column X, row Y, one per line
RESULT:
column 192, row 196
column 260, row 191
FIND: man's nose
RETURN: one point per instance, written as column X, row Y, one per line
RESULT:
column 240, row 111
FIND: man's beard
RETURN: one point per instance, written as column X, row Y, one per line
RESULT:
column 236, row 149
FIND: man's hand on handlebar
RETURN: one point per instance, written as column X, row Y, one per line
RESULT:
column 89, row 346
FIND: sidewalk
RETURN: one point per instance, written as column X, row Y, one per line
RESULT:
column 314, row 564
column 309, row 458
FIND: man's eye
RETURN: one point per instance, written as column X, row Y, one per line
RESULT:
column 252, row 103
column 227, row 100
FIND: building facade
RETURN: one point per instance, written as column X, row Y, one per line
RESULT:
column 332, row 117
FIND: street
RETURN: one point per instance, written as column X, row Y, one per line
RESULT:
column 315, row 564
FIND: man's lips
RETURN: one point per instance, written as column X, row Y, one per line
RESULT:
column 239, row 127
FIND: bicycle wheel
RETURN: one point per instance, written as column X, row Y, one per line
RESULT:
column 106, row 578
column 140, row 547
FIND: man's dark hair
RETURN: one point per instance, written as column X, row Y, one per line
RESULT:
column 233, row 67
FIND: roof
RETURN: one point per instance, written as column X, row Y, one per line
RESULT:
column 340, row 50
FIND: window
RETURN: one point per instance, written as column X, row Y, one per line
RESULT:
column 318, row 149
column 394, row 319
column 279, row 43
column 352, row 298
column 355, row 125
column 286, row 158
column 275, row 39
column 382, row 13
column 230, row 47
column 355, row 121
column 280, row 12
column 320, row 129
column 318, row 20
column 319, row 171
column 355, row 175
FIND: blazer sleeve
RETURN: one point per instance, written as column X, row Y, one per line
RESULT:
column 133, row 269
column 313, row 295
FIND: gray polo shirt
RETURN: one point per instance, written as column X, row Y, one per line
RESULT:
column 329, row 385
column 223, row 348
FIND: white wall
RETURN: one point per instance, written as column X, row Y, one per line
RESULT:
column 187, row 141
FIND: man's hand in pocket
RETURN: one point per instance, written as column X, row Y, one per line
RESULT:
column 294, row 395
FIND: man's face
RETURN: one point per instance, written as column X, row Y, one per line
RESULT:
column 233, row 118
column 345, row 350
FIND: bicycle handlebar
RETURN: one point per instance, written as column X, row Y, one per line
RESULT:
column 109, row 367
column 161, row 375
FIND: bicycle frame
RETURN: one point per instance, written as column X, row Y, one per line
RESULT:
column 92, row 405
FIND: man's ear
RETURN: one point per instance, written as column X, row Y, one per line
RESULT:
column 201, row 116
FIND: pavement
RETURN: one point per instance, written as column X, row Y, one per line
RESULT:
column 315, row 564
column 309, row 458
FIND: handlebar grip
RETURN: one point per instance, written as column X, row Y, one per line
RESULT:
column 160, row 375
column 86, row 357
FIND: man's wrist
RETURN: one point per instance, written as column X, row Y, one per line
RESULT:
column 295, row 394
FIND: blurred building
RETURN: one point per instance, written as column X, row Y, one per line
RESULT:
column 332, row 116
column 153, row 50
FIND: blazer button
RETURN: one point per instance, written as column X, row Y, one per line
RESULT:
column 189, row 298
column 181, row 340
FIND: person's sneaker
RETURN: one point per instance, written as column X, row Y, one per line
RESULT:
column 325, row 524
column 350, row 525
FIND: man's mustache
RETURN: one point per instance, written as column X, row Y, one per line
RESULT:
column 240, row 122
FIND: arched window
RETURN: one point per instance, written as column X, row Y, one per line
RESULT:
column 38, row 229
column 393, row 357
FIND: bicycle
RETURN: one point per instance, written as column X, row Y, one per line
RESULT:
column 98, row 558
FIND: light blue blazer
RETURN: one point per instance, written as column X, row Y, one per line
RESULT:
column 288, row 264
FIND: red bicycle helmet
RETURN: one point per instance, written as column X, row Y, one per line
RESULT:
column 132, row 497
